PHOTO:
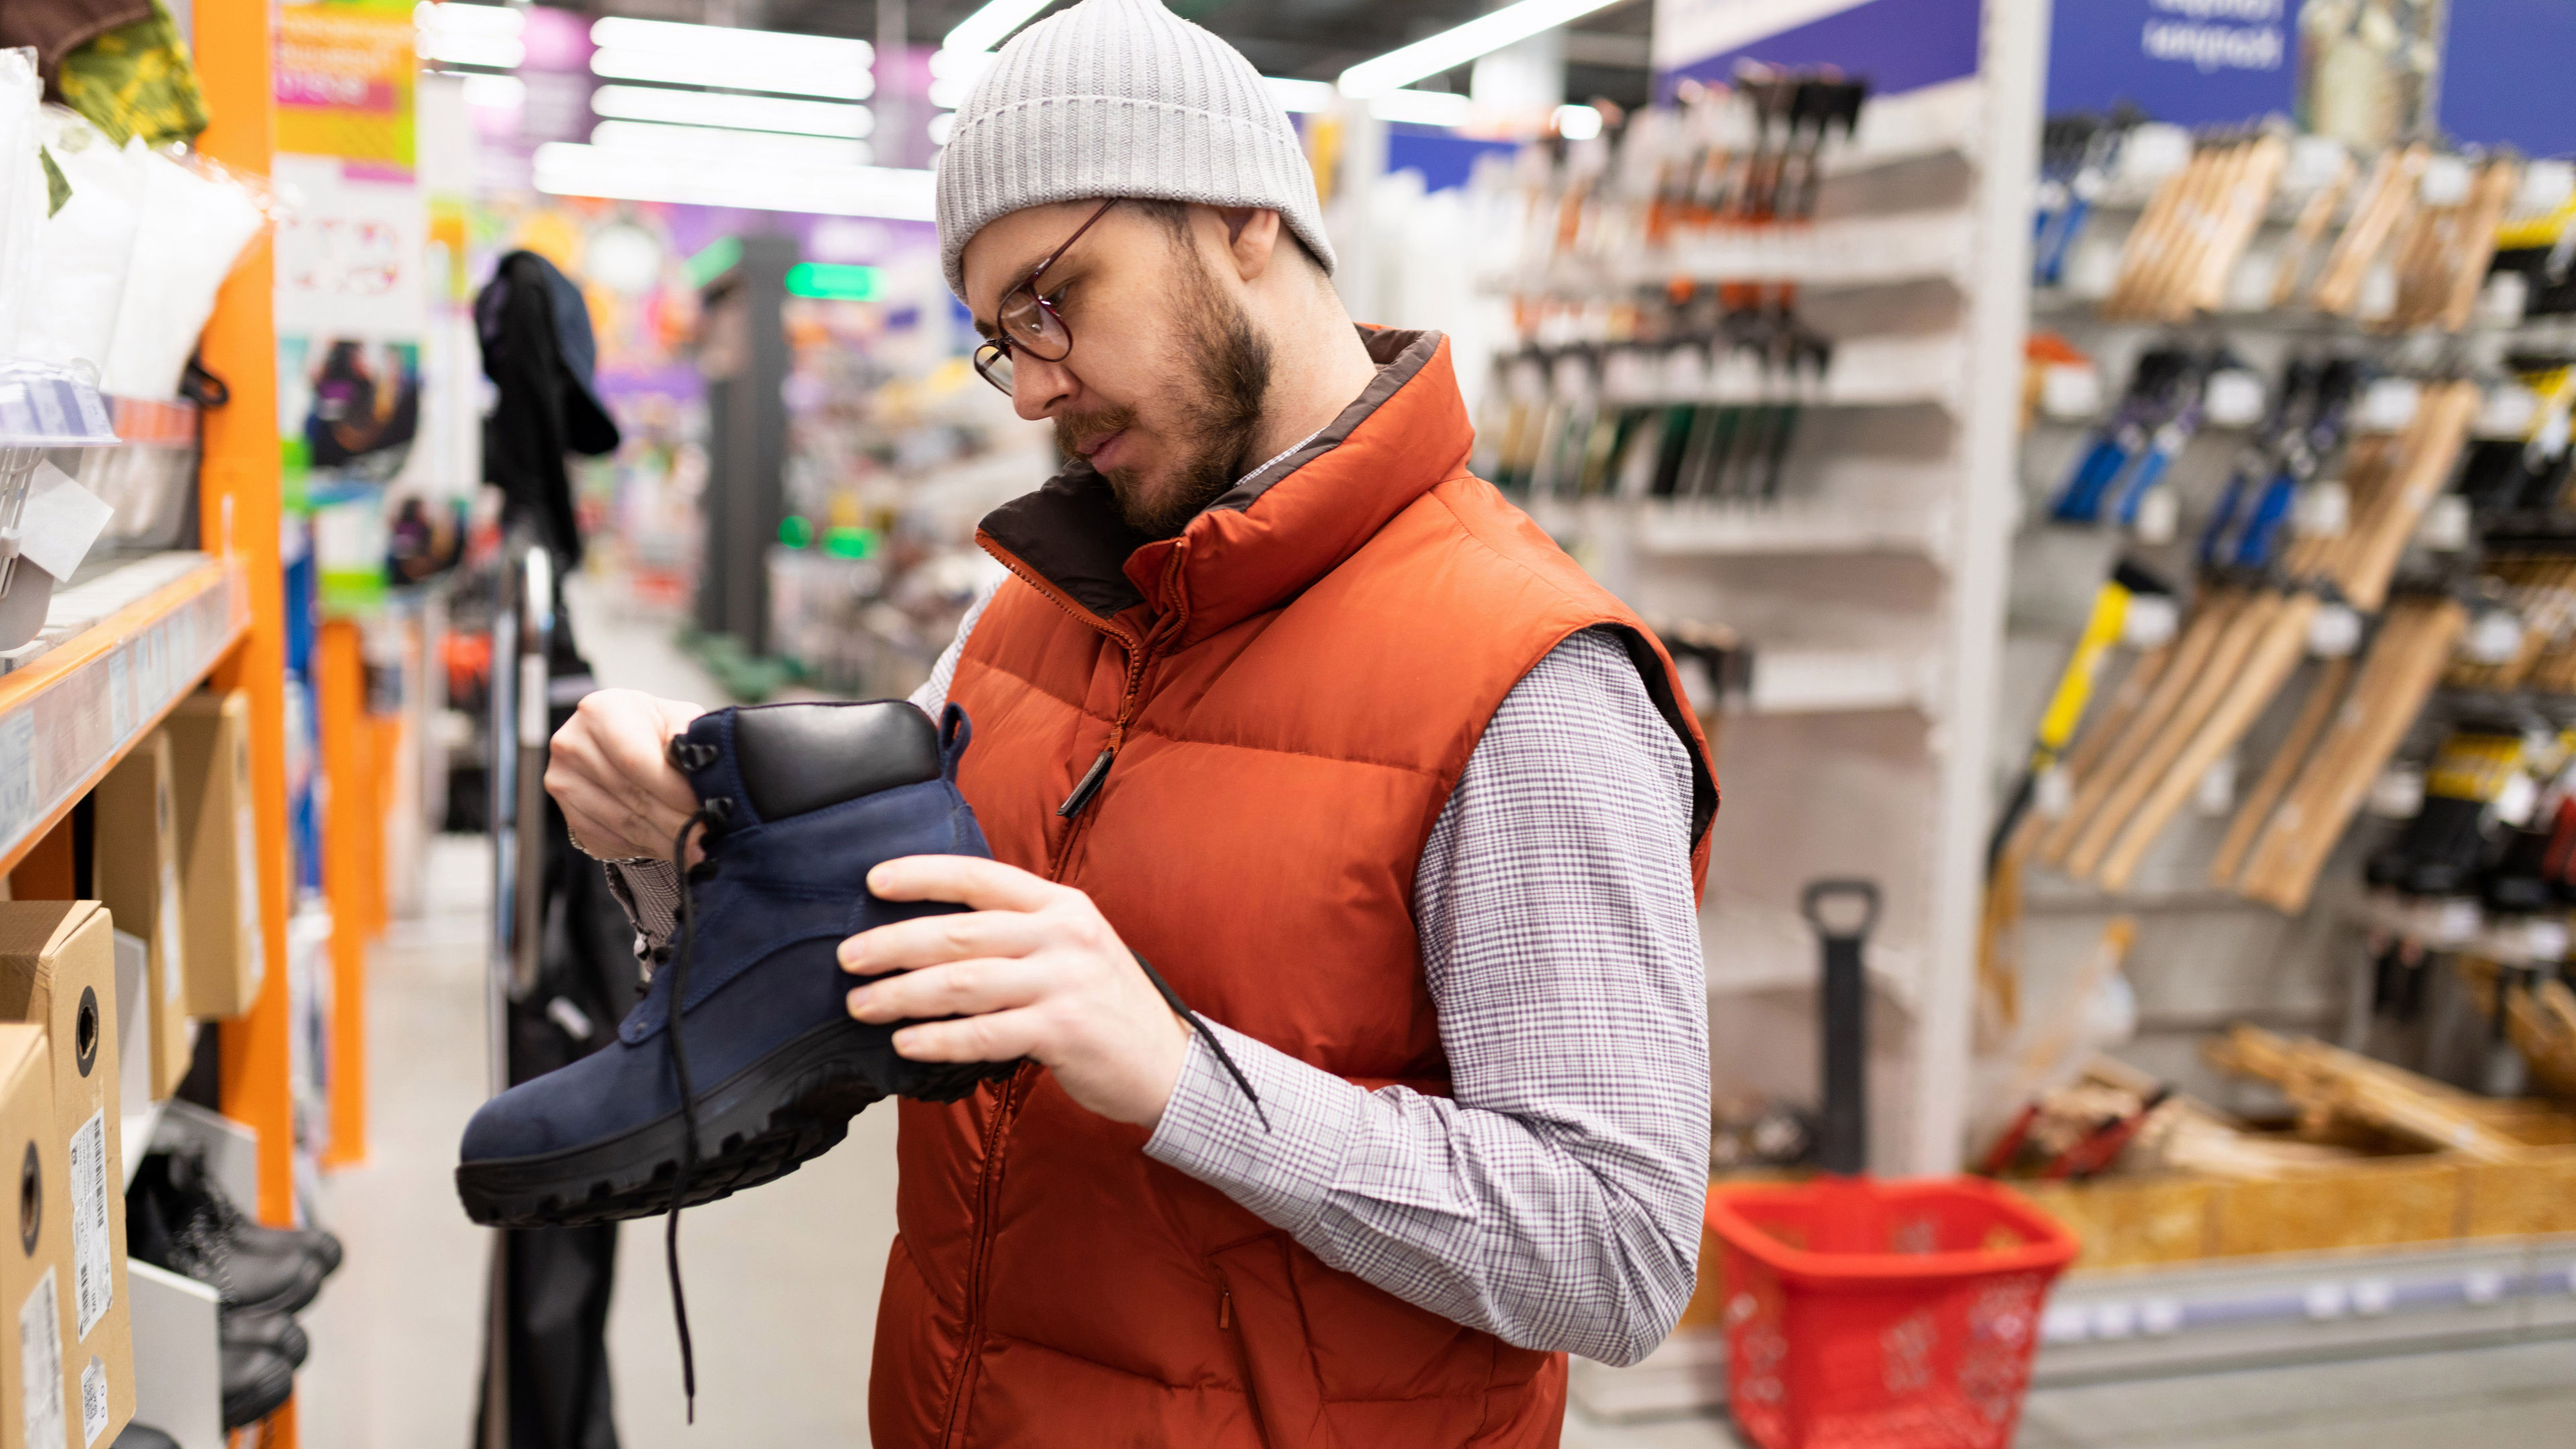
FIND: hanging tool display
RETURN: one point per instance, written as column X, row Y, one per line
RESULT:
column 2076, row 156
column 2198, row 224
column 2515, row 483
column 2479, row 786
column 1567, row 432
column 2305, row 430
column 2404, row 663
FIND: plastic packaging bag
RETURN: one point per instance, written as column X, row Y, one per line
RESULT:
column 22, row 197
column 88, row 244
column 196, row 219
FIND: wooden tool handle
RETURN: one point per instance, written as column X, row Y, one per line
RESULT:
column 2117, row 711
column 2366, row 236
column 2200, row 633
column 2247, row 199
column 2226, row 658
column 2404, row 664
column 2267, row 667
column 2323, row 694
column 2496, row 187
column 2293, row 264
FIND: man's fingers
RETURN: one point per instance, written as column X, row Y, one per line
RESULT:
column 995, row 1038
column 967, row 880
column 959, row 988
column 930, row 940
column 612, row 823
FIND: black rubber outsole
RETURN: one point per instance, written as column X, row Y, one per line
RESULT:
column 771, row 1118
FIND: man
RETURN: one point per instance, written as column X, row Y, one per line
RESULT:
column 1279, row 698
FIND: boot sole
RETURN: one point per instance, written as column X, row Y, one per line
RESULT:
column 769, row 1119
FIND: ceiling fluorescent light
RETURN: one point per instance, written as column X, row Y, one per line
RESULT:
column 457, row 34
column 568, row 168
column 500, row 52
column 458, row 18
column 986, row 27
column 1301, row 95
column 1423, row 108
column 731, row 45
column 740, row 113
column 836, row 82
column 707, row 143
column 1460, row 44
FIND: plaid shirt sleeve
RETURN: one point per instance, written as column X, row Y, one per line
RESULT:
column 1554, row 1199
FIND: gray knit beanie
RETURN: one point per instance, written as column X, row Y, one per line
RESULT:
column 1119, row 98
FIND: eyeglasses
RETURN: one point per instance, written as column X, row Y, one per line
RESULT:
column 1028, row 322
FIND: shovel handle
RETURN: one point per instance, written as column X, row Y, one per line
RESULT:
column 1842, row 1141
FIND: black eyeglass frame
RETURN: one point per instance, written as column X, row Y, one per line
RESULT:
column 996, row 351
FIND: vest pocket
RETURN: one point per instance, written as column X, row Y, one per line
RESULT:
column 1258, row 1307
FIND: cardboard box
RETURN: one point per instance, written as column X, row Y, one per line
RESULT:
column 35, row 1256
column 218, row 854
column 58, row 970
column 134, row 868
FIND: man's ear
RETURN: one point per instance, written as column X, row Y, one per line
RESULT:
column 1252, row 238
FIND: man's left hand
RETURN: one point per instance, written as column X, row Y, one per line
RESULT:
column 1032, row 970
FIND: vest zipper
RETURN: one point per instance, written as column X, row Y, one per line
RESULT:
column 1225, row 1308
column 988, row 1187
column 1087, row 786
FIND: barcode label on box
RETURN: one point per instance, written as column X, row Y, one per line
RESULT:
column 93, row 1401
column 40, row 1364
column 93, row 1282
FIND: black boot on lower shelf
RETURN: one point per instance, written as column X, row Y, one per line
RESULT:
column 268, row 1330
column 143, row 1436
column 174, row 1220
column 257, row 1380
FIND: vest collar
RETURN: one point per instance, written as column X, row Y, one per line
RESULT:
column 1278, row 530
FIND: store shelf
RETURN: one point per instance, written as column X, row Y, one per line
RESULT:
column 1838, row 681
column 1861, row 252
column 1942, row 120
column 117, row 652
column 1754, row 947
column 2224, row 1314
column 1666, row 528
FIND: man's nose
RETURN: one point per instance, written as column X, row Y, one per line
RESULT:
column 1038, row 387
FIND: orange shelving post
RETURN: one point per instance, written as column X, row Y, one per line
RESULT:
column 240, row 497
column 353, row 869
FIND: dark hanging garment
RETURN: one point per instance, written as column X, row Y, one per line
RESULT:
column 537, row 349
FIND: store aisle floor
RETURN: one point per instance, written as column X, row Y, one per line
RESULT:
column 2522, row 1396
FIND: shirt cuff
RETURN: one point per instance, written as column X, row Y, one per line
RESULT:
column 1284, row 1173
column 650, row 892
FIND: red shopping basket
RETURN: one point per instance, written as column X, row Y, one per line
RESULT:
column 1892, row 1315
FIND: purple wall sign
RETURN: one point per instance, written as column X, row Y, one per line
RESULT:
column 1900, row 45
column 2191, row 62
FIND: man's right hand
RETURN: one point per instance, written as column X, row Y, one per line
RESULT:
column 609, row 772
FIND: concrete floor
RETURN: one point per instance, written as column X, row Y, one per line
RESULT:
column 783, row 1280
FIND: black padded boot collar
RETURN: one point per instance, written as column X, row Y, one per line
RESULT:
column 779, row 760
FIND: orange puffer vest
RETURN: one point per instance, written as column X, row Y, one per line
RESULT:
column 1290, row 689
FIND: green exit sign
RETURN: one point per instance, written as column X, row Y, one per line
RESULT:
column 832, row 282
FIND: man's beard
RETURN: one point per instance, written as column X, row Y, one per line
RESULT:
column 1225, row 379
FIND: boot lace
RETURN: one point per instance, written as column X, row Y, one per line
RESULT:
column 712, row 813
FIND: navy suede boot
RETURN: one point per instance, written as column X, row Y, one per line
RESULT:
column 765, row 1066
